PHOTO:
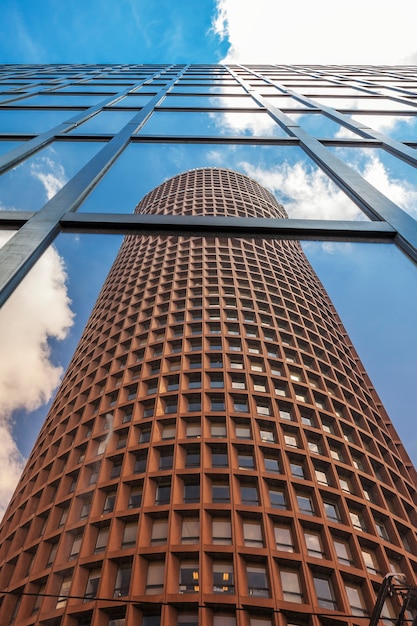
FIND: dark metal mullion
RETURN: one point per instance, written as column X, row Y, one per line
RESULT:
column 20, row 253
column 227, row 226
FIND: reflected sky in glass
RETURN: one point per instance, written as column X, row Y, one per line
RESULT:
column 320, row 125
column 31, row 122
column 6, row 146
column 60, row 101
column 30, row 184
column 105, row 122
column 286, row 171
column 212, row 124
column 209, row 89
column 366, row 104
column 215, row 102
column 390, row 175
column 133, row 101
column 400, row 127
column 286, row 102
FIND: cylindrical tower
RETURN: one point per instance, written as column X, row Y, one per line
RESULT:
column 216, row 454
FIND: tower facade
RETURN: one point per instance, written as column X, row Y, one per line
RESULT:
column 216, row 453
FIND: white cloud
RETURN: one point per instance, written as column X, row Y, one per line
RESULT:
column 399, row 191
column 50, row 173
column 308, row 32
column 39, row 309
column 306, row 193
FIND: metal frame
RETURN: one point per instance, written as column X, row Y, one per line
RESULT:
column 37, row 230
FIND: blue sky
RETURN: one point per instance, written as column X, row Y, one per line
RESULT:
column 373, row 286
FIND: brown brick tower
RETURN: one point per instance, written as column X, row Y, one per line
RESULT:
column 216, row 454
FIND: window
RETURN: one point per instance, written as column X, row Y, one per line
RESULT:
column 321, row 477
column 356, row 601
column 249, row 494
column 220, row 492
column 64, row 592
column 257, row 579
column 313, row 543
column 219, row 457
column 305, row 504
column 240, row 404
column 245, row 461
column 297, row 470
column 345, row 484
column 314, row 447
column 382, row 531
column 163, row 493
column 193, row 429
column 291, row 589
column 267, row 434
column 189, row 577
column 140, row 463
column 217, row 403
column 191, row 491
column 166, row 456
column 192, row 457
column 135, row 496
column 242, row 431
column 252, row 533
column 129, row 534
column 324, row 592
column 357, row 520
column 218, row 429
column 92, row 584
column 277, row 498
column 145, row 435
column 159, row 531
column 190, row 530
column 124, row 573
column 370, row 561
column 168, row 431
column 223, row 579
column 283, row 538
column 102, row 538
column 291, row 441
column 221, row 529
column 216, row 381
column 343, row 551
column 76, row 545
column 332, row 511
column 155, row 577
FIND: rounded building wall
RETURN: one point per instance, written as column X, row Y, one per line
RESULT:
column 215, row 454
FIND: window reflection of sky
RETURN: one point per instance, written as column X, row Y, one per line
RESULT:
column 320, row 126
column 6, row 146
column 212, row 124
column 107, row 122
column 215, row 102
column 390, row 175
column 400, row 127
column 287, row 171
column 31, row 122
column 60, row 101
column 30, row 184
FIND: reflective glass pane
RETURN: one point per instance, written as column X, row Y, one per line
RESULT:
column 30, row 184
column 31, row 122
column 390, row 175
column 212, row 124
column 210, row 102
column 304, row 190
column 107, row 122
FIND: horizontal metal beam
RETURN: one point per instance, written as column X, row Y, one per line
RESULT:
column 202, row 226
